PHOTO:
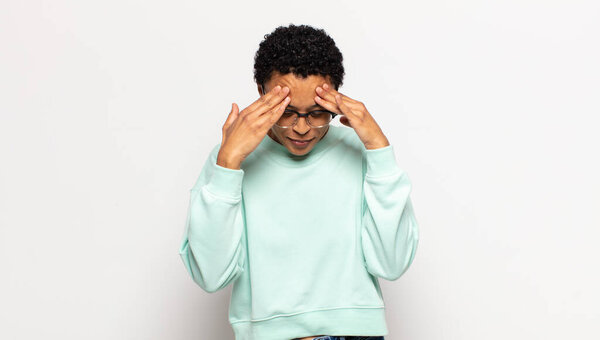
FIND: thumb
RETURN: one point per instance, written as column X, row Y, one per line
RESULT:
column 233, row 114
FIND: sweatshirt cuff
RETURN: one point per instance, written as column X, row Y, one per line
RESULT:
column 381, row 162
column 225, row 182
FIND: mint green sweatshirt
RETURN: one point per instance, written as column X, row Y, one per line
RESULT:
column 303, row 239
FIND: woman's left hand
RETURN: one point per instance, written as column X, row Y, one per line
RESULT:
column 354, row 114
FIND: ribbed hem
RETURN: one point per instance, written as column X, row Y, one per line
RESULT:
column 225, row 182
column 381, row 162
column 345, row 321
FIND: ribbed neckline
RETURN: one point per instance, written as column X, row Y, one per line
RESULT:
column 280, row 153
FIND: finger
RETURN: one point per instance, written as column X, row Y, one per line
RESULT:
column 330, row 97
column 273, row 115
column 262, row 98
column 327, row 95
column 328, row 88
column 271, row 103
column 276, row 100
column 276, row 113
column 343, row 107
column 330, row 106
column 233, row 114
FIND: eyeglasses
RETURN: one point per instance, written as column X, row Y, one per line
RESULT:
column 315, row 119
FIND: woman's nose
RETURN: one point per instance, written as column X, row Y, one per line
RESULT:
column 301, row 126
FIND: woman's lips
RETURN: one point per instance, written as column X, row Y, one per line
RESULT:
column 300, row 142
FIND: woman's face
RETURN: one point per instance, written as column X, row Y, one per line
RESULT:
column 301, row 138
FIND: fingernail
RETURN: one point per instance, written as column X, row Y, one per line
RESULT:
column 277, row 88
column 325, row 86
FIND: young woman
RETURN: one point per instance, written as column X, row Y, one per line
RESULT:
column 303, row 217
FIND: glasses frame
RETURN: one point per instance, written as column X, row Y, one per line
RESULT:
column 305, row 115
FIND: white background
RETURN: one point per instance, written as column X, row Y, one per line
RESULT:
column 109, row 109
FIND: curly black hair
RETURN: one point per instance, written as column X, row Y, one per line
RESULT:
column 302, row 50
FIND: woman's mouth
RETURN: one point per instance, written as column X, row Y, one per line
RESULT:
column 300, row 142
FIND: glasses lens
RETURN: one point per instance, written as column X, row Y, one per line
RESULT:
column 287, row 118
column 319, row 118
column 314, row 119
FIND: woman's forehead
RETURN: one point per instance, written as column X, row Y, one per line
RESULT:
column 297, row 83
column 302, row 90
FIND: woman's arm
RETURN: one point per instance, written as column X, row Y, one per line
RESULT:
column 213, row 248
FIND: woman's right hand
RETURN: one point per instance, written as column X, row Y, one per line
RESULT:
column 243, row 131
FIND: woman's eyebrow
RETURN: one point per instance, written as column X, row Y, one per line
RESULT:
column 316, row 106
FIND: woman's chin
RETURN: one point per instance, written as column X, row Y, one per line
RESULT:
column 297, row 152
column 297, row 147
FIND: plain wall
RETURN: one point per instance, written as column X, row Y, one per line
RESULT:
column 109, row 109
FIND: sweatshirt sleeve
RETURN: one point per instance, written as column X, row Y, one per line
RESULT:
column 390, row 232
column 213, row 246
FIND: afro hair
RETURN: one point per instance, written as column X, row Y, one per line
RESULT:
column 302, row 50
